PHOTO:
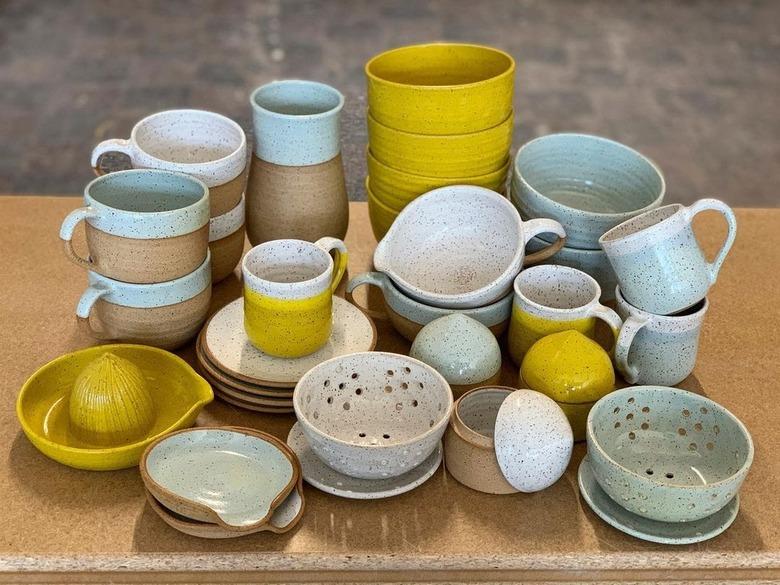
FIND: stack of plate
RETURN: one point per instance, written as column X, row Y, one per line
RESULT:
column 243, row 376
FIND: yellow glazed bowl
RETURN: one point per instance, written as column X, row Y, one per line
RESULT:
column 177, row 391
column 450, row 157
column 380, row 215
column 396, row 188
column 441, row 88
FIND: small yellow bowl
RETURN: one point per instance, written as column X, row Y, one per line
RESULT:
column 451, row 156
column 396, row 188
column 381, row 216
column 441, row 88
column 179, row 394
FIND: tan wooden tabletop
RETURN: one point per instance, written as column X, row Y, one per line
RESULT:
column 64, row 525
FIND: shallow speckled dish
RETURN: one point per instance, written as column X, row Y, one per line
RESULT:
column 316, row 473
column 227, row 346
column 638, row 526
column 667, row 454
column 228, row 476
column 373, row 415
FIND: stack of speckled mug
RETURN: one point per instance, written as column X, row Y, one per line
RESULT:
column 439, row 114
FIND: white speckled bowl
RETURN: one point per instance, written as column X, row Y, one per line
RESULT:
column 460, row 247
column 373, row 415
column 667, row 454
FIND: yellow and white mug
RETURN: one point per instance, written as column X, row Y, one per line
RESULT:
column 552, row 298
column 288, row 294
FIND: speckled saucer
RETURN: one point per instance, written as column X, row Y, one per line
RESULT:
column 227, row 346
column 652, row 530
column 316, row 473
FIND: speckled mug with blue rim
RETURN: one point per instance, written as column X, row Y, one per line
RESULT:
column 658, row 263
column 657, row 349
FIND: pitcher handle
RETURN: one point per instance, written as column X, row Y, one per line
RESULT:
column 110, row 145
column 534, row 227
column 340, row 257
column 731, row 219
column 370, row 279
column 66, row 234
column 631, row 327
column 84, row 308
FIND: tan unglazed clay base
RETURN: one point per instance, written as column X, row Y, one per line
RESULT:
column 226, row 254
column 224, row 197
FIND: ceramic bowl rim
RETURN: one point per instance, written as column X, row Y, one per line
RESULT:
column 608, row 238
column 374, row 160
column 463, row 430
column 557, row 268
column 436, row 428
column 518, row 176
column 241, row 148
column 690, row 317
column 290, row 82
column 201, row 384
column 509, row 72
column 148, row 480
column 502, row 125
column 741, row 472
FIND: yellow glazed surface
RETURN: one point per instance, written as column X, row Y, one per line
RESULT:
column 526, row 329
column 395, row 188
column 441, row 88
column 381, row 216
column 288, row 328
column 450, row 156
column 573, row 370
column 178, row 394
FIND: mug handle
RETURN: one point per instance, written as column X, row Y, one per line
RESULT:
column 111, row 145
column 611, row 318
column 370, row 279
column 731, row 219
column 66, row 234
column 84, row 308
column 534, row 227
column 631, row 327
column 340, row 258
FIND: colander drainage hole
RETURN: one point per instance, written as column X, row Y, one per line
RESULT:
column 670, row 476
column 649, row 472
column 385, row 436
column 362, row 435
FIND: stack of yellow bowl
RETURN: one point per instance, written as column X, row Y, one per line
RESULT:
column 438, row 114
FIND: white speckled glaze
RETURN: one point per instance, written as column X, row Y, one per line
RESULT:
column 160, row 294
column 533, row 440
column 240, row 476
column 296, row 122
column 227, row 223
column 461, row 349
column 204, row 145
column 226, row 344
column 316, row 473
column 373, row 415
column 659, row 265
column 657, row 349
column 667, row 454
column 142, row 205
column 587, row 183
column 458, row 247
column 651, row 530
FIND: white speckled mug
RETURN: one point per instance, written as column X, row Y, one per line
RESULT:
column 204, row 145
column 142, row 226
column 657, row 260
column 657, row 349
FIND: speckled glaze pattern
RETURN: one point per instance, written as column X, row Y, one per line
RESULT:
column 659, row 265
column 409, row 316
column 204, row 145
column 373, row 415
column 231, row 476
column 461, row 349
column 651, row 530
column 551, row 298
column 178, row 393
column 296, row 122
column 667, row 454
column 441, row 88
column 225, row 342
column 533, row 440
column 438, row 252
column 587, row 183
column 328, row 480
column 468, row 443
column 657, row 349
column 450, row 156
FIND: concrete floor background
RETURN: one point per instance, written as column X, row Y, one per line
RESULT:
column 693, row 85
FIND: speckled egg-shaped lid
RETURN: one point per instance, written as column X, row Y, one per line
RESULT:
column 533, row 440
column 460, row 348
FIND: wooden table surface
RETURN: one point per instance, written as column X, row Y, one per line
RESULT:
column 65, row 525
